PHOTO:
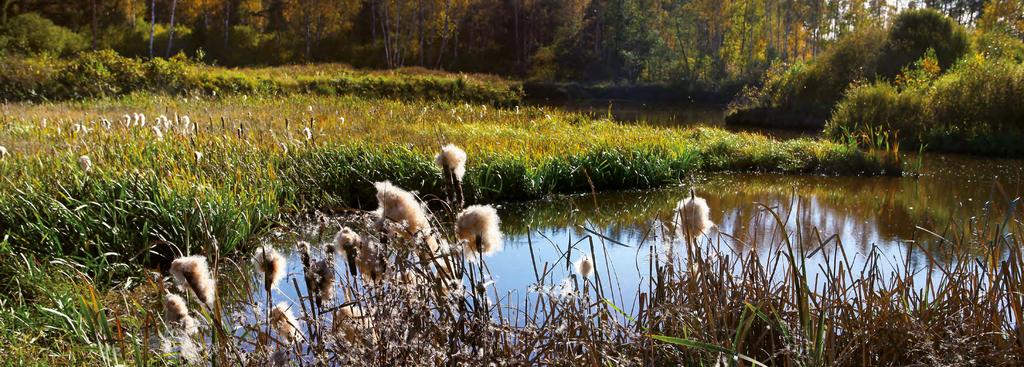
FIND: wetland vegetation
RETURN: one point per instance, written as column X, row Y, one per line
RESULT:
column 301, row 183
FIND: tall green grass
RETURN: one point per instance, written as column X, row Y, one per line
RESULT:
column 107, row 74
column 147, row 200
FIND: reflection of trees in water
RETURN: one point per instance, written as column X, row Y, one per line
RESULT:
column 863, row 211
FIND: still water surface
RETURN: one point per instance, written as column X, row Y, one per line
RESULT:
column 855, row 215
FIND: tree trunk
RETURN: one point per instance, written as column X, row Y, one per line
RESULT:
column 170, row 36
column 152, row 25
column 95, row 25
column 227, row 26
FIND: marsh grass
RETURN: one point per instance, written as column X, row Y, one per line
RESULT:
column 245, row 162
column 700, row 302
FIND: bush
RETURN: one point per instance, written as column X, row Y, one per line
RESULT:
column 914, row 32
column 30, row 33
column 879, row 105
column 101, row 74
column 975, row 107
column 804, row 94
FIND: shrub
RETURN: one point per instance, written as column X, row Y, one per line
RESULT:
column 879, row 105
column 975, row 107
column 30, row 33
column 101, row 74
column 804, row 93
column 914, row 32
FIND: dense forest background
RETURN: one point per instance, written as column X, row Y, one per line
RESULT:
column 621, row 41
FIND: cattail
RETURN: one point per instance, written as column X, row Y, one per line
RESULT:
column 371, row 263
column 348, row 242
column 584, row 266
column 269, row 262
column 85, row 163
column 193, row 273
column 176, row 314
column 350, row 320
column 402, row 207
column 284, row 322
column 692, row 216
column 323, row 277
column 452, row 158
column 478, row 227
column 3, row 152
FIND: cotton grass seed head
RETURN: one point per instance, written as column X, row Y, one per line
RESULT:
column 347, row 241
column 284, row 322
column 584, row 266
column 478, row 228
column 269, row 262
column 193, row 273
column 3, row 152
column 692, row 217
column 401, row 206
column 452, row 158
column 176, row 314
column 322, row 273
column 85, row 163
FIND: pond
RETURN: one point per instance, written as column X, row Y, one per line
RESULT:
column 822, row 215
column 660, row 114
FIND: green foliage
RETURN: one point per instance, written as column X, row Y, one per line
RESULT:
column 148, row 199
column 975, row 107
column 106, row 74
column 914, row 32
column 30, row 33
column 999, row 45
column 804, row 94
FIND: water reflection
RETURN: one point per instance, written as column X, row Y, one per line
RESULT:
column 854, row 216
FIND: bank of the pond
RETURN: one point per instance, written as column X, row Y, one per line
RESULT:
column 106, row 74
column 218, row 180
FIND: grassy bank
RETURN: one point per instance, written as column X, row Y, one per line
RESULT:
column 244, row 161
column 106, row 74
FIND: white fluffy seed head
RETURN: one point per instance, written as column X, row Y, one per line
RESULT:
column 174, row 308
column 3, row 152
column 322, row 272
column 176, row 314
column 269, row 262
column 584, row 266
column 692, row 217
column 193, row 273
column 401, row 206
column 452, row 158
column 85, row 163
column 478, row 227
column 347, row 241
column 284, row 322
